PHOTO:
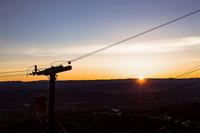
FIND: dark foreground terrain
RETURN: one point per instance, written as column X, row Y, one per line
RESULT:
column 106, row 106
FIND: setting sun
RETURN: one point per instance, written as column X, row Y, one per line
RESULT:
column 141, row 78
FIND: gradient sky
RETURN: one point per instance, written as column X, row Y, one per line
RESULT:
column 43, row 31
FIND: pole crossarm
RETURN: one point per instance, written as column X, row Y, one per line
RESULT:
column 52, row 70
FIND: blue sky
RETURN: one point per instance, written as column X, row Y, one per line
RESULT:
column 40, row 31
column 36, row 21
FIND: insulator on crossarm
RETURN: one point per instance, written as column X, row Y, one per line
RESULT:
column 35, row 68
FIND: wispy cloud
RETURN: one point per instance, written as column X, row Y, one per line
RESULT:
column 146, row 47
column 158, row 46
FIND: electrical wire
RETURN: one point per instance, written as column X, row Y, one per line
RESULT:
column 164, row 93
column 16, row 73
column 62, row 127
column 186, row 84
column 13, row 75
column 182, row 86
column 134, row 36
column 62, row 62
column 8, row 72
column 187, row 73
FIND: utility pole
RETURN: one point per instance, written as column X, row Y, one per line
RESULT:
column 51, row 72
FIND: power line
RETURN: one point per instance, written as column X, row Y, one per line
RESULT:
column 4, row 74
column 189, row 72
column 172, row 89
column 8, row 72
column 57, row 62
column 182, row 86
column 134, row 36
column 196, row 75
column 13, row 75
column 62, row 127
column 16, row 73
column 186, row 84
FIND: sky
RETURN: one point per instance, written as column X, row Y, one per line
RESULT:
column 43, row 31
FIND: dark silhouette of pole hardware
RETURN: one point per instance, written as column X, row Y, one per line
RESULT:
column 52, row 71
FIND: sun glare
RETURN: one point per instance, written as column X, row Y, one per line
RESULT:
column 141, row 78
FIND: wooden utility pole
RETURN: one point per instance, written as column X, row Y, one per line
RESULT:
column 51, row 112
column 51, row 72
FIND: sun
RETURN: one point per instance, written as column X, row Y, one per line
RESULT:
column 141, row 78
column 141, row 82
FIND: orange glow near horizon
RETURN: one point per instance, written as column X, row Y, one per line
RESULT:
column 141, row 80
column 90, row 73
column 154, row 59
